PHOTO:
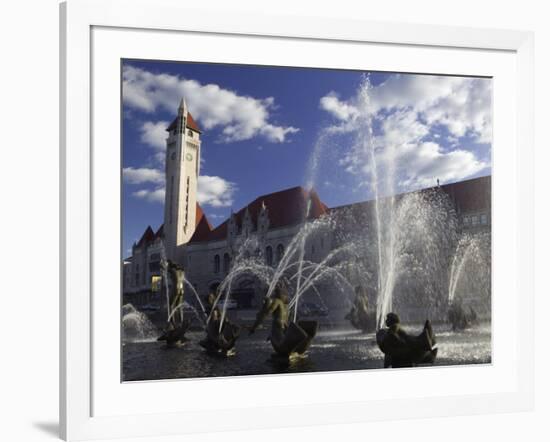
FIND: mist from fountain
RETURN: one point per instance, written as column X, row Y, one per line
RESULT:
column 165, row 283
column 185, row 306
column 408, row 239
column 247, row 260
column 407, row 243
column 136, row 326
column 299, row 274
column 470, row 274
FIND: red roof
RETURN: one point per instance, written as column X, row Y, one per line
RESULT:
column 285, row 208
column 471, row 195
column 160, row 232
column 202, row 225
column 147, row 236
column 191, row 124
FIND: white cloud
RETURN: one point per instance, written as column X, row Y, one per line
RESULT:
column 152, row 196
column 462, row 105
column 240, row 117
column 429, row 162
column 154, row 134
column 142, row 175
column 340, row 109
column 212, row 191
column 216, row 216
column 406, row 112
column 215, row 191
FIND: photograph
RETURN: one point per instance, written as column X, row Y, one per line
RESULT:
column 282, row 220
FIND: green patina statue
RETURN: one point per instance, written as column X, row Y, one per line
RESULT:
column 286, row 337
column 177, row 325
column 219, row 340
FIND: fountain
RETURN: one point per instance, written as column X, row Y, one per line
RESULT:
column 407, row 244
column 470, row 281
column 408, row 238
column 360, row 316
column 136, row 326
column 298, row 274
column 174, row 279
column 404, row 254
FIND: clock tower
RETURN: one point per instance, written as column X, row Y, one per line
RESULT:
column 183, row 148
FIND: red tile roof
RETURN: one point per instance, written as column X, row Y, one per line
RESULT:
column 160, row 232
column 191, row 124
column 285, row 208
column 473, row 195
column 202, row 225
column 147, row 236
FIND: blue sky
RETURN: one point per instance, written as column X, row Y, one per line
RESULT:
column 264, row 128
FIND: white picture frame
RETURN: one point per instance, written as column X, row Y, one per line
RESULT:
column 83, row 380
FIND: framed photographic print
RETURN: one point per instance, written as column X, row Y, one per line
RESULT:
column 324, row 219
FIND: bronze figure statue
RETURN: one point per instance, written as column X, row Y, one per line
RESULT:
column 287, row 338
column 360, row 316
column 403, row 350
column 219, row 340
column 177, row 325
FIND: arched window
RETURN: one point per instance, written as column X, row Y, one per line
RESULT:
column 269, row 255
column 226, row 262
column 217, row 264
column 280, row 252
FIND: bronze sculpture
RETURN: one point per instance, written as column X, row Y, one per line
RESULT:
column 403, row 350
column 287, row 338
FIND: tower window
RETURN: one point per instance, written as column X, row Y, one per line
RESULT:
column 190, row 133
column 269, row 255
column 226, row 262
column 170, row 208
column 217, row 264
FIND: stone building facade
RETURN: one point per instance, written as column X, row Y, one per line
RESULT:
column 272, row 221
column 207, row 253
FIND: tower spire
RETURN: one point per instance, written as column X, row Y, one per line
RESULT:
column 182, row 108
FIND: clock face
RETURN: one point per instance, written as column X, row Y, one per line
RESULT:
column 189, row 157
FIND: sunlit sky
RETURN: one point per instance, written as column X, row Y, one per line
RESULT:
column 262, row 125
